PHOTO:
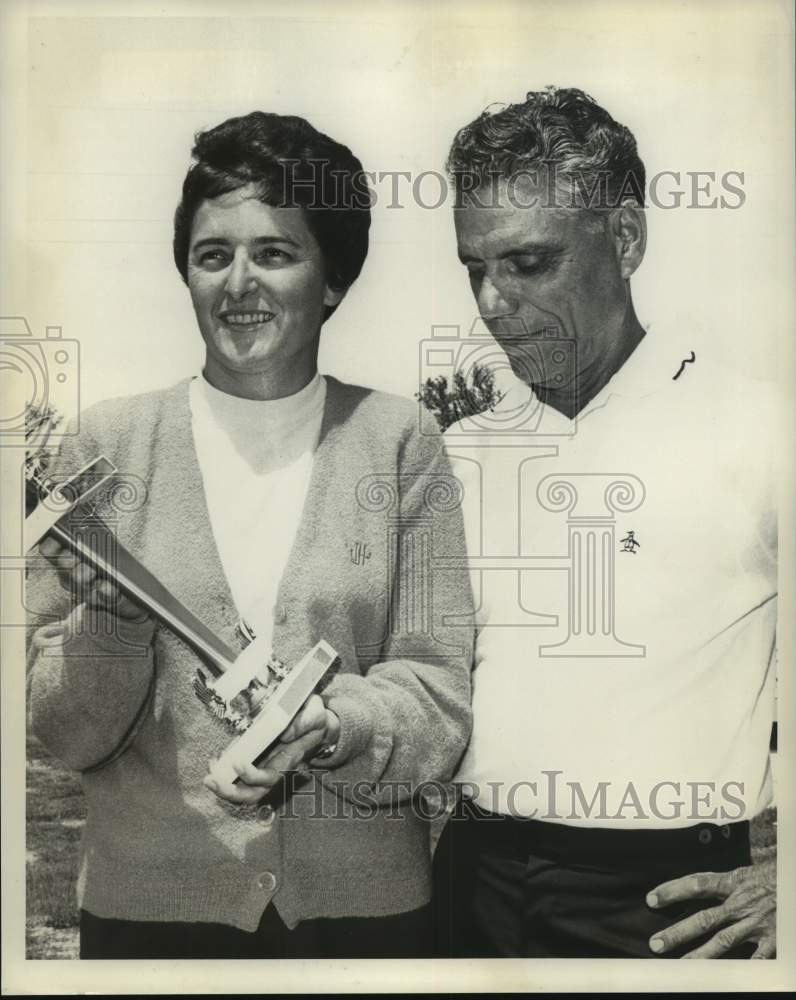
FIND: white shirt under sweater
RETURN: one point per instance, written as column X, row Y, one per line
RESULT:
column 689, row 698
column 256, row 458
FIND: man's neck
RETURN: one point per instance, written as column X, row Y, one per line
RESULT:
column 570, row 400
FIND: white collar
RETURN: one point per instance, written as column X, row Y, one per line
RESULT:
column 265, row 433
column 650, row 368
column 287, row 412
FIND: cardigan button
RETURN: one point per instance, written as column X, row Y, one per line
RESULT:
column 266, row 881
column 266, row 815
column 280, row 614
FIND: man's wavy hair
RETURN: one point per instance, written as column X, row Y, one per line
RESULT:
column 592, row 159
column 290, row 164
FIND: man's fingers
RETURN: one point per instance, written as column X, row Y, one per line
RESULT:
column 695, row 926
column 747, row 914
column 726, row 939
column 766, row 947
column 702, row 885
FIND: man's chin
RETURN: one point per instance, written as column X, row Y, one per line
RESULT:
column 536, row 379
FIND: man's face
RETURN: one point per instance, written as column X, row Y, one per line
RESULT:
column 540, row 267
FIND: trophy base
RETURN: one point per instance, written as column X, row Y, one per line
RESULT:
column 274, row 713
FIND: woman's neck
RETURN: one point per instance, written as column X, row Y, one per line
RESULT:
column 269, row 384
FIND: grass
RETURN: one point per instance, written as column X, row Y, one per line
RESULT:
column 55, row 816
column 55, row 813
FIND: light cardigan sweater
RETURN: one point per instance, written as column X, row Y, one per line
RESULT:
column 158, row 845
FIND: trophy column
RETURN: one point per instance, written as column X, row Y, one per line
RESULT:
column 93, row 525
column 410, row 558
column 591, row 502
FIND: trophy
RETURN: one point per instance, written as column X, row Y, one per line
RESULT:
column 251, row 693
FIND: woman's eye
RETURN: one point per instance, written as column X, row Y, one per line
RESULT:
column 213, row 260
column 272, row 255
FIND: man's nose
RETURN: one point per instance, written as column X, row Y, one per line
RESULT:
column 241, row 279
column 492, row 300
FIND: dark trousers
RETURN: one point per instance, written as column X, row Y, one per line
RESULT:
column 506, row 887
column 403, row 935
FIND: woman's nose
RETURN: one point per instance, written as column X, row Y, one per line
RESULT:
column 240, row 280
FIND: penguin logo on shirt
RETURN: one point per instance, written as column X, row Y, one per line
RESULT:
column 629, row 543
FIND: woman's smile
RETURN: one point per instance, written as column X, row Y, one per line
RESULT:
column 246, row 320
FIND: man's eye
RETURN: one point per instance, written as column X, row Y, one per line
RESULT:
column 530, row 265
column 474, row 270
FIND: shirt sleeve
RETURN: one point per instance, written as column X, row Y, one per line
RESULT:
column 407, row 720
column 89, row 675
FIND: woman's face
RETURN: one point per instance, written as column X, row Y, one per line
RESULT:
column 258, row 287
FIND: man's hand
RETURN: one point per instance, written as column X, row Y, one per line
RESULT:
column 80, row 578
column 747, row 912
column 313, row 726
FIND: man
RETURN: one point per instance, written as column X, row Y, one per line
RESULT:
column 624, row 678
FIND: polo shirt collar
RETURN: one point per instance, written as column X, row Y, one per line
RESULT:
column 650, row 368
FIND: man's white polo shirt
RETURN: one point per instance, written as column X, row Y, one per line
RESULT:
column 627, row 584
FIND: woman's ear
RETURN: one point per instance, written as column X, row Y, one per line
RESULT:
column 629, row 231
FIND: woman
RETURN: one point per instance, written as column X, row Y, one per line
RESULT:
column 286, row 498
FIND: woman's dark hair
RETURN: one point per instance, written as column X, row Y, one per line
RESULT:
column 290, row 164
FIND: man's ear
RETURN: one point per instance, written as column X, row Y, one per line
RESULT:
column 629, row 232
column 333, row 297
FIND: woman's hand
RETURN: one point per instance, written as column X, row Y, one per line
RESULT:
column 312, row 727
column 79, row 578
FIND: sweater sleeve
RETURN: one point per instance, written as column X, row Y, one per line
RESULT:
column 407, row 720
column 89, row 675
